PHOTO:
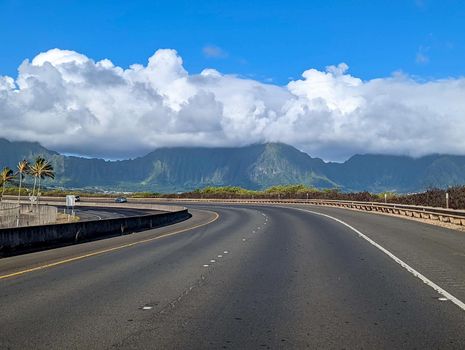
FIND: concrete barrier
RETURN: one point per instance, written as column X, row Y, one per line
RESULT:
column 22, row 239
column 14, row 215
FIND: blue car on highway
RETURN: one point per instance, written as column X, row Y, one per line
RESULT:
column 121, row 200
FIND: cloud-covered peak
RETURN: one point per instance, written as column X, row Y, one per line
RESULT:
column 72, row 103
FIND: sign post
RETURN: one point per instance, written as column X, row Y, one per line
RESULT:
column 70, row 203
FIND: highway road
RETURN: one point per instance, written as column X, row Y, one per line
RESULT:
column 244, row 277
column 101, row 213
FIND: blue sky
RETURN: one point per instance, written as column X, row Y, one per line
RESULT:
column 267, row 40
column 332, row 78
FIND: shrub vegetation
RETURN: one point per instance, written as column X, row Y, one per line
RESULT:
column 433, row 197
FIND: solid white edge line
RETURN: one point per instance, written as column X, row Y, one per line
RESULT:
column 410, row 269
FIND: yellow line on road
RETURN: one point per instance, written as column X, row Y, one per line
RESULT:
column 80, row 257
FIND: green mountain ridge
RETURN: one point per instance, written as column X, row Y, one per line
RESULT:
column 256, row 166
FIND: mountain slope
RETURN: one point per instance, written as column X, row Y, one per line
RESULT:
column 254, row 167
column 13, row 152
column 378, row 173
column 180, row 169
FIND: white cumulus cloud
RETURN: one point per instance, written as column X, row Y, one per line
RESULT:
column 71, row 103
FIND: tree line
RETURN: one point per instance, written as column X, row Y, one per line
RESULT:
column 38, row 170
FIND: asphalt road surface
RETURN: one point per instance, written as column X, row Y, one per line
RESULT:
column 101, row 213
column 250, row 277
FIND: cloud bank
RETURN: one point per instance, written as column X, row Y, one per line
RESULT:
column 71, row 103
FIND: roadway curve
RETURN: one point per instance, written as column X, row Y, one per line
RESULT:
column 255, row 277
column 103, row 213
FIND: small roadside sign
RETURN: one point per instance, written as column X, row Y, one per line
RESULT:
column 70, row 201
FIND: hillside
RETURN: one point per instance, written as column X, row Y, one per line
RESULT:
column 254, row 167
column 180, row 169
column 379, row 173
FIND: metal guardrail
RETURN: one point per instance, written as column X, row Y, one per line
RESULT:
column 452, row 216
column 456, row 217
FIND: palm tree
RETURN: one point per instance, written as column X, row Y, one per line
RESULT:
column 6, row 175
column 40, row 170
column 33, row 171
column 23, row 169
